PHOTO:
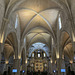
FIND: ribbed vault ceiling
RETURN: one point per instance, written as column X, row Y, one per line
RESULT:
column 30, row 19
column 67, row 46
column 38, row 22
column 38, row 18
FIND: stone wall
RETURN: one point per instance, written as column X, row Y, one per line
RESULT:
column 73, row 9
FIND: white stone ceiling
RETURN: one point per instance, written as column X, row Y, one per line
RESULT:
column 38, row 14
column 38, row 21
column 30, row 19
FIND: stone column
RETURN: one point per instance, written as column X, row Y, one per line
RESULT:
column 25, row 63
column 0, row 55
column 58, row 49
column 16, row 65
column 26, row 57
column 54, row 68
column 59, row 66
column 23, row 68
column 73, row 64
column 50, row 65
column 6, row 66
column 63, row 66
column 74, row 50
column 72, row 67
column 1, row 48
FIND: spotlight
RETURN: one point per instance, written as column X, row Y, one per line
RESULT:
column 23, row 71
column 54, row 71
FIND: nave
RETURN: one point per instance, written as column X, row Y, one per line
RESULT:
column 37, row 37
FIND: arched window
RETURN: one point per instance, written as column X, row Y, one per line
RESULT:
column 44, row 55
column 16, row 22
column 59, row 20
column 38, row 55
column 32, row 54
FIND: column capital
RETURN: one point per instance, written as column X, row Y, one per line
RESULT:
column 1, row 44
column 60, row 58
column 17, row 59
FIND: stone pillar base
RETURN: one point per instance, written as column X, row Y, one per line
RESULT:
column 59, row 66
column 24, row 69
column 16, row 65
